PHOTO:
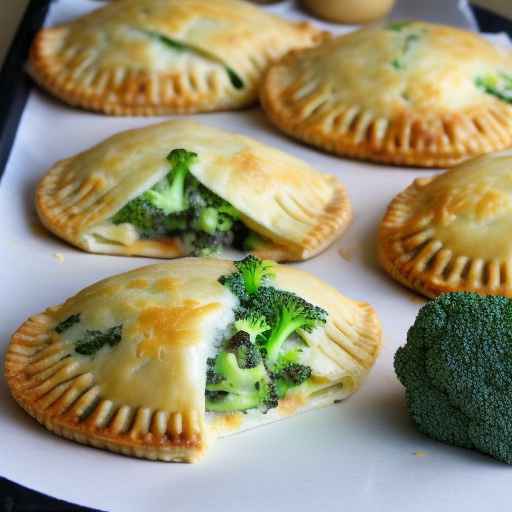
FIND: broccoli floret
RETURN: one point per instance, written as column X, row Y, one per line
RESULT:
column 180, row 205
column 265, row 319
column 252, row 273
column 142, row 214
column 255, row 272
column 236, row 284
column 286, row 312
column 289, row 376
column 203, row 244
column 169, row 194
column 212, row 377
column 231, row 388
column 457, row 371
column 499, row 85
column 95, row 340
column 253, row 324
column 67, row 323
column 211, row 214
column 246, row 352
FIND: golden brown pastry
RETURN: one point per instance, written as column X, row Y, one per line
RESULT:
column 151, row 57
column 139, row 363
column 180, row 188
column 452, row 232
column 408, row 94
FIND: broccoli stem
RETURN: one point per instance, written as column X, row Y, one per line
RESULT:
column 233, row 402
column 235, row 377
column 286, row 326
column 173, row 200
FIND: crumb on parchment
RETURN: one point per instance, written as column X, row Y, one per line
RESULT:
column 59, row 257
column 347, row 253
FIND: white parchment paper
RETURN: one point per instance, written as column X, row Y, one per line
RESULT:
column 358, row 455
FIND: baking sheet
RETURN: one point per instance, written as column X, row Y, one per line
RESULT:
column 361, row 454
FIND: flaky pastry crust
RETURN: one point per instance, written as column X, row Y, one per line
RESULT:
column 153, row 57
column 298, row 210
column 411, row 94
column 451, row 232
column 144, row 397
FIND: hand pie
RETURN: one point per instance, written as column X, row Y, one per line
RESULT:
column 452, row 232
column 413, row 93
column 158, row 361
column 180, row 188
column 151, row 57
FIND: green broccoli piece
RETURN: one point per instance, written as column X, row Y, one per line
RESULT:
column 180, row 205
column 457, row 371
column 397, row 26
column 289, row 376
column 95, row 340
column 246, row 352
column 409, row 43
column 236, row 285
column 150, row 211
column 252, row 273
column 498, row 85
column 253, row 324
column 141, row 213
column 231, row 388
column 286, row 312
column 203, row 244
column 169, row 194
column 67, row 323
column 264, row 320
column 255, row 272
column 178, row 46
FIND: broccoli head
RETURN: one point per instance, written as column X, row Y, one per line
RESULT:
column 67, row 323
column 236, row 285
column 246, row 352
column 146, row 217
column 253, row 324
column 94, row 340
column 289, row 376
column 251, row 274
column 169, row 195
column 498, row 85
column 286, row 313
column 456, row 368
column 231, row 388
column 265, row 319
column 255, row 272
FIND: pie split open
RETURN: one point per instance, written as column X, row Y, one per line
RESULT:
column 152, row 57
column 136, row 385
column 411, row 93
column 295, row 211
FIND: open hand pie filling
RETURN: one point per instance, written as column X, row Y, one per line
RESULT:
column 180, row 206
column 154, row 361
column 180, row 188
